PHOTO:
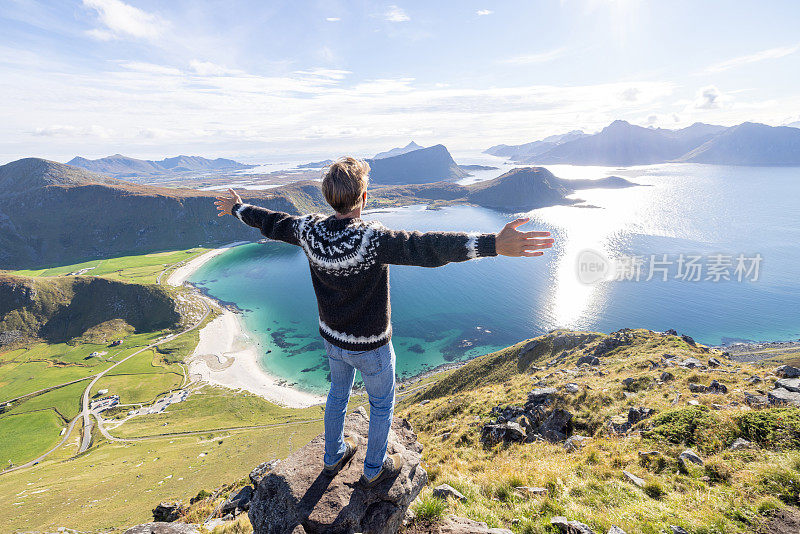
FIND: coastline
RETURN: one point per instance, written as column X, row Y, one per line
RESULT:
column 227, row 356
column 179, row 275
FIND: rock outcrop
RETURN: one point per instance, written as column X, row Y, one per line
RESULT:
column 296, row 497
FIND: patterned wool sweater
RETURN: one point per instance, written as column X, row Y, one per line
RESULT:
column 349, row 261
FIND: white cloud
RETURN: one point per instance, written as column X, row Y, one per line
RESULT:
column 60, row 130
column 631, row 94
column 150, row 68
column 123, row 20
column 324, row 74
column 207, row 68
column 772, row 53
column 332, row 19
column 396, row 14
column 541, row 57
column 708, row 97
column 482, row 12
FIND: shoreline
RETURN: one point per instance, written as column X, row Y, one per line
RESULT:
column 179, row 275
column 226, row 354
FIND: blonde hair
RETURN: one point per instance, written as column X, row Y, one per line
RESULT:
column 345, row 182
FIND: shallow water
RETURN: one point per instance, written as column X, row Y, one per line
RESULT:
column 466, row 309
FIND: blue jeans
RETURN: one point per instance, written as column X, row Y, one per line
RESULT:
column 377, row 372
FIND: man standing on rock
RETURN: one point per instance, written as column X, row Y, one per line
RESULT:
column 349, row 259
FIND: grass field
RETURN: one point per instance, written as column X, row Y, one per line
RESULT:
column 65, row 400
column 40, row 366
column 214, row 407
column 117, row 484
column 143, row 268
column 23, row 436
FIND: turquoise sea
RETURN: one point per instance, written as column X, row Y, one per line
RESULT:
column 463, row 310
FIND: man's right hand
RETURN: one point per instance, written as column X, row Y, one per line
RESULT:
column 225, row 204
column 512, row 242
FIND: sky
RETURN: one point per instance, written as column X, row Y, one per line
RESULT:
column 264, row 80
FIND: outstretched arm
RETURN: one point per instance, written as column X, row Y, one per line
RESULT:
column 433, row 249
column 273, row 224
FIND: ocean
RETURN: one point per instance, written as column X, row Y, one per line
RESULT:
column 709, row 251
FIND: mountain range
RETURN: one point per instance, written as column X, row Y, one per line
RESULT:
column 623, row 144
column 123, row 166
column 55, row 214
column 410, row 147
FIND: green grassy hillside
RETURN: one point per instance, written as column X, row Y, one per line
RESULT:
column 62, row 308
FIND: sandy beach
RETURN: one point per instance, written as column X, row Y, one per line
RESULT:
column 227, row 356
column 179, row 275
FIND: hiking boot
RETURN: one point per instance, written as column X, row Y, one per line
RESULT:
column 391, row 467
column 351, row 446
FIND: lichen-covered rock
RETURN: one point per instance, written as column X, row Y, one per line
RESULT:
column 792, row 384
column 557, row 426
column 297, row 497
column 443, row 491
column 167, row 511
column 787, row 371
column 493, row 434
column 570, row 527
column 589, row 360
column 784, row 396
column 690, row 456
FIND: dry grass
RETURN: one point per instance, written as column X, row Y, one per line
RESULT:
column 735, row 492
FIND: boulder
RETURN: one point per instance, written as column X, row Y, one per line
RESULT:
column 589, row 360
column 756, row 401
column 556, row 427
column 168, row 511
column 570, row 527
column 619, row 424
column 787, row 371
column 792, row 384
column 443, row 491
column 615, row 530
column 691, row 363
column 630, row 477
column 492, row 434
column 539, row 396
column 164, row 528
column 697, row 388
column 238, row 501
column 666, row 376
column 784, row 396
column 572, row 387
column 713, row 362
column 755, row 379
column 678, row 530
column 575, row 443
column 717, row 387
column 688, row 340
column 690, row 456
column 740, row 444
column 297, row 497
